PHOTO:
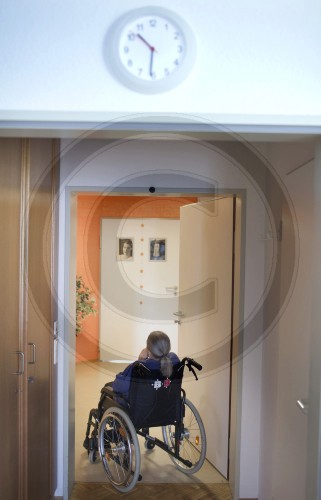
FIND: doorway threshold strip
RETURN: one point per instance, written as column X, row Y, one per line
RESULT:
column 191, row 491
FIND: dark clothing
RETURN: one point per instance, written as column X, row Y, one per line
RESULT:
column 122, row 381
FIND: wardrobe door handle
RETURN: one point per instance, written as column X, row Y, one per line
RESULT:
column 33, row 360
column 21, row 363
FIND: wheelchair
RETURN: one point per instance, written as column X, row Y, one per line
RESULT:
column 154, row 401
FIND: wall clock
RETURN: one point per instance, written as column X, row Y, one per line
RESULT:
column 150, row 49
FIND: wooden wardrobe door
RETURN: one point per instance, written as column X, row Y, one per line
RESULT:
column 26, row 332
column 11, row 350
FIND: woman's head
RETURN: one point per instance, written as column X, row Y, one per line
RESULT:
column 159, row 345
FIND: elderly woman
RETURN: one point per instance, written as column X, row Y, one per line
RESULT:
column 156, row 356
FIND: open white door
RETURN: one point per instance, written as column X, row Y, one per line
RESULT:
column 205, row 302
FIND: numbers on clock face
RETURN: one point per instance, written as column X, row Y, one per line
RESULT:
column 151, row 48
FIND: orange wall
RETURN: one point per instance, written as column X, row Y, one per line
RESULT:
column 90, row 209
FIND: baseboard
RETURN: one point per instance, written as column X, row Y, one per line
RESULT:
column 58, row 498
column 249, row 498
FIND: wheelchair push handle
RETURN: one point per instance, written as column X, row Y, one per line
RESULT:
column 191, row 364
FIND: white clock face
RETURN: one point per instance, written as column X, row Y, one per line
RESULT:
column 153, row 50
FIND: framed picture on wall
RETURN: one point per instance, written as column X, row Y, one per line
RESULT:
column 125, row 249
column 157, row 249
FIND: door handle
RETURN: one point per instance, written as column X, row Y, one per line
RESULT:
column 303, row 404
column 21, row 363
column 33, row 351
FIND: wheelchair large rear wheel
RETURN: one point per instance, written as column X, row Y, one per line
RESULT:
column 192, row 440
column 119, row 449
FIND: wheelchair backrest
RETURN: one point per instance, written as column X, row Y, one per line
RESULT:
column 155, row 400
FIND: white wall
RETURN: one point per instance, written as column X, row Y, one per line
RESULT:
column 192, row 165
column 314, row 420
column 286, row 350
column 53, row 68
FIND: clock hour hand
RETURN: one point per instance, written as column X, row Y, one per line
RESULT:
column 145, row 42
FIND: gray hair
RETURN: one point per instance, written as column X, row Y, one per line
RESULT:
column 159, row 344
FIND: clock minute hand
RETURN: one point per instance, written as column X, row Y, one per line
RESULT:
column 151, row 61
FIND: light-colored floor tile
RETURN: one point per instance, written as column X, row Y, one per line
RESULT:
column 156, row 465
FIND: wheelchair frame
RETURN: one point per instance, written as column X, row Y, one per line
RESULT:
column 112, row 434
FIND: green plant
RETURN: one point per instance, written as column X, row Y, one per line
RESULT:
column 84, row 303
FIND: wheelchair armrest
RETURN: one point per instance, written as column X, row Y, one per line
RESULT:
column 115, row 396
column 108, row 390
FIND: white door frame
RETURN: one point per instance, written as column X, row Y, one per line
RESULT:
column 68, row 319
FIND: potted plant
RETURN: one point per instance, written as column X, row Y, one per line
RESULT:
column 85, row 302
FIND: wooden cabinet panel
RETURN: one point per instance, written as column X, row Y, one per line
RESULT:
column 10, row 361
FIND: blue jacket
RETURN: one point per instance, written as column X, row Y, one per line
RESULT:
column 122, row 381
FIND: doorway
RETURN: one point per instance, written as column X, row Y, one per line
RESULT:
column 181, row 321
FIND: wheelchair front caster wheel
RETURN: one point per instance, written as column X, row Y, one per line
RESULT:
column 93, row 456
column 149, row 445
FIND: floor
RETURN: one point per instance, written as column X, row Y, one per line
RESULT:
column 156, row 466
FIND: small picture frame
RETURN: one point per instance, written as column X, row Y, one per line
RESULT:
column 157, row 249
column 125, row 249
